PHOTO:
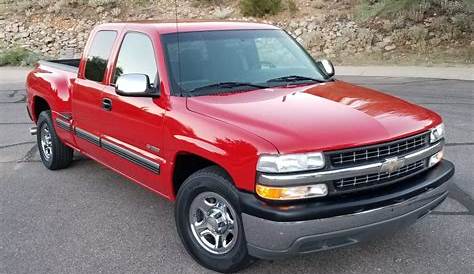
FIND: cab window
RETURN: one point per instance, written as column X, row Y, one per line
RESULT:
column 98, row 55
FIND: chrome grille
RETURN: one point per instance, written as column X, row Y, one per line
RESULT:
column 356, row 182
column 375, row 153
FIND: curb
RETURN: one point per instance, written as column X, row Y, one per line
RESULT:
column 453, row 73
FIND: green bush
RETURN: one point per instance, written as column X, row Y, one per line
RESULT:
column 260, row 8
column 18, row 57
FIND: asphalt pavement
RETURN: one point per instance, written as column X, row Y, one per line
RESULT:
column 88, row 219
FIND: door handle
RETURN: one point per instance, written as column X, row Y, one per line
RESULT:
column 107, row 104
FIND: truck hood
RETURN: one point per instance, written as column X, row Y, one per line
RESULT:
column 317, row 117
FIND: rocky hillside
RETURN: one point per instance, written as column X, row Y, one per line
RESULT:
column 345, row 31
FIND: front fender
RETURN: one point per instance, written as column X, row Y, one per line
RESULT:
column 232, row 148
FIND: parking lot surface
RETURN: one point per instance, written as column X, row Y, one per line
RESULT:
column 88, row 219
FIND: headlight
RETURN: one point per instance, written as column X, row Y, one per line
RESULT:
column 291, row 193
column 290, row 162
column 437, row 133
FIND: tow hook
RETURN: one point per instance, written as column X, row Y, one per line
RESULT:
column 33, row 130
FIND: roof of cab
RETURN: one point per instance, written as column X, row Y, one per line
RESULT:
column 171, row 26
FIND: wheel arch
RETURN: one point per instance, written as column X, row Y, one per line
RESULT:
column 186, row 163
column 39, row 104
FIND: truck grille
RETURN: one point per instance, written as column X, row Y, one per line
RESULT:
column 365, row 155
column 357, row 182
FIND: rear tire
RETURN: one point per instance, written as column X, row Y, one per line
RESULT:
column 54, row 154
column 207, row 209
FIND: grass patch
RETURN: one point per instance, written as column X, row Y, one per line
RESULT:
column 18, row 57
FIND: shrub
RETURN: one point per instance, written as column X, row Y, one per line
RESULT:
column 463, row 22
column 18, row 57
column 260, row 8
column 292, row 7
column 418, row 33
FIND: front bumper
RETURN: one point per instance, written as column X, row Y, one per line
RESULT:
column 282, row 230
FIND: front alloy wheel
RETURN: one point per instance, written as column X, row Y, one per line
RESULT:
column 212, row 221
column 208, row 221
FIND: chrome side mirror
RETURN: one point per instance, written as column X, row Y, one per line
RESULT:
column 327, row 68
column 135, row 85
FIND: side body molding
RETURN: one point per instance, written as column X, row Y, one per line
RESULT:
column 109, row 146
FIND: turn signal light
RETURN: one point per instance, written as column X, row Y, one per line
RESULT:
column 291, row 193
column 436, row 158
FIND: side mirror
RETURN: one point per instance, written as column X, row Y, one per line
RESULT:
column 327, row 68
column 135, row 85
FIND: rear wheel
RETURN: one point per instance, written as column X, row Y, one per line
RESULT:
column 208, row 220
column 54, row 154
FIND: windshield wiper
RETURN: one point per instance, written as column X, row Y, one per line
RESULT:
column 227, row 85
column 293, row 78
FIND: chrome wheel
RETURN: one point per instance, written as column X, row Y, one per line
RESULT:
column 46, row 142
column 213, row 222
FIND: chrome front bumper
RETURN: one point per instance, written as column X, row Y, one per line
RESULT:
column 269, row 238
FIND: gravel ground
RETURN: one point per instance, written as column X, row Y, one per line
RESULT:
column 88, row 219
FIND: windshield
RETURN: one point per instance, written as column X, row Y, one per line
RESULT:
column 212, row 62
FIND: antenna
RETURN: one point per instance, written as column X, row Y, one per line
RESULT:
column 179, row 53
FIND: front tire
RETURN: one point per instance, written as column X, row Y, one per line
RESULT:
column 54, row 154
column 208, row 221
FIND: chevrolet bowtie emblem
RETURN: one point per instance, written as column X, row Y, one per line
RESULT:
column 391, row 165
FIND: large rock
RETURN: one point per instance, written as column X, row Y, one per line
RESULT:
column 390, row 47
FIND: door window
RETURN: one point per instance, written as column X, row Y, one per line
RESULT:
column 136, row 56
column 98, row 55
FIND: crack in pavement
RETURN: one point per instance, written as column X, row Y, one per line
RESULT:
column 448, row 103
column 22, row 100
column 458, row 194
column 12, row 90
column 404, row 82
column 16, row 123
column 459, row 144
column 27, row 158
column 451, row 213
column 462, row 197
column 17, row 161
column 29, row 155
column 12, row 93
column 17, row 144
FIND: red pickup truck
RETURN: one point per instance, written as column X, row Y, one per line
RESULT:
column 264, row 152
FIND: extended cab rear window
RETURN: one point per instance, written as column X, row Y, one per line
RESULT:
column 98, row 55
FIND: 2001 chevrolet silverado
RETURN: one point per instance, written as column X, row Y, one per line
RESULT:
column 265, row 153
